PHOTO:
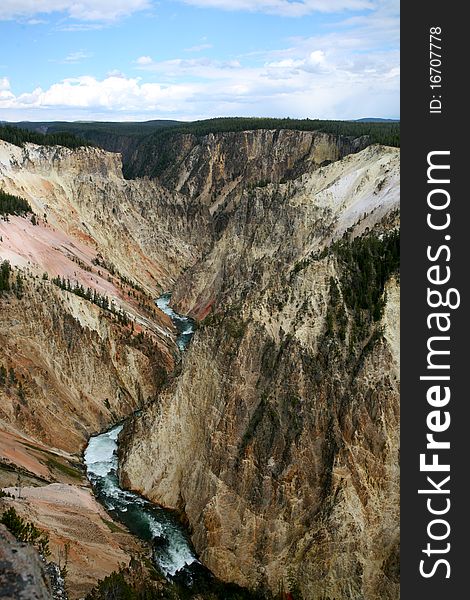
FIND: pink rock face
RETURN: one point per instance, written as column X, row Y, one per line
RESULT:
column 44, row 249
column 77, row 365
column 41, row 248
column 13, row 451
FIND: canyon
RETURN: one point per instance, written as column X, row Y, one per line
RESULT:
column 275, row 436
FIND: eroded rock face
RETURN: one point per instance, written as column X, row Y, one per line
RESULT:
column 74, row 360
column 146, row 232
column 279, row 440
column 76, row 368
column 279, row 437
column 22, row 573
column 214, row 170
column 197, row 166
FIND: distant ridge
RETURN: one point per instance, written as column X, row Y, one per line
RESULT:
column 376, row 120
column 148, row 148
column 129, row 128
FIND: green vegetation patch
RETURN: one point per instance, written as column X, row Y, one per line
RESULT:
column 112, row 526
column 67, row 470
column 13, row 205
column 25, row 531
column 367, row 263
column 357, row 298
column 93, row 129
column 387, row 133
column 5, row 270
column 18, row 137
column 91, row 296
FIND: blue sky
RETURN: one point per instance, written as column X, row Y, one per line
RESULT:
column 191, row 59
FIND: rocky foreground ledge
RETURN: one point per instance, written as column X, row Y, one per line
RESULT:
column 22, row 572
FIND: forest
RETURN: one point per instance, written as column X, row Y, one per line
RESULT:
column 387, row 133
column 149, row 147
column 76, row 133
column 18, row 137
column 13, row 205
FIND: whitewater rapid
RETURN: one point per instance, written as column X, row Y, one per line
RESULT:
column 172, row 550
column 184, row 325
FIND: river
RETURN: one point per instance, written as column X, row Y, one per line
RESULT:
column 172, row 550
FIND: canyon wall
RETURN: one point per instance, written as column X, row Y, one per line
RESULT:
column 75, row 367
column 82, row 344
column 214, row 169
column 278, row 437
column 146, row 232
column 279, row 440
column 72, row 370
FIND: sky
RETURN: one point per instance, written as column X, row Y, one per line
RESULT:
column 125, row 60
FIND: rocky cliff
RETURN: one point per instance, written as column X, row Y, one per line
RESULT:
column 146, row 232
column 72, row 370
column 279, row 440
column 23, row 574
column 82, row 344
column 75, row 366
column 214, row 169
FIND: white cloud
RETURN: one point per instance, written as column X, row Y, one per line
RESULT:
column 144, row 60
column 115, row 73
column 77, row 57
column 285, row 8
column 202, row 67
column 320, row 84
column 113, row 93
column 198, row 48
column 83, row 10
column 5, row 91
column 4, row 84
column 350, row 73
column 315, row 62
column 74, row 27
